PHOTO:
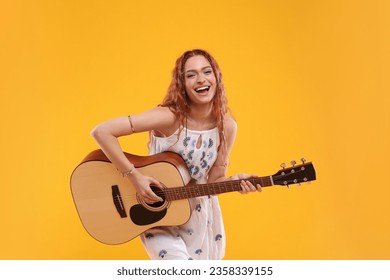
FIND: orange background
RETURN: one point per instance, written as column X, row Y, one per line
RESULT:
column 304, row 78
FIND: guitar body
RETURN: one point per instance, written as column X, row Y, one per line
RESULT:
column 108, row 205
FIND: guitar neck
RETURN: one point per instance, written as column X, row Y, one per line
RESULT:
column 193, row 190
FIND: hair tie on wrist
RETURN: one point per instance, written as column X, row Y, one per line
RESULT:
column 131, row 124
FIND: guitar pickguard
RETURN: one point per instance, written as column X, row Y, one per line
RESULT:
column 142, row 216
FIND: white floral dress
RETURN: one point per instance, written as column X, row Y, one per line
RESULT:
column 203, row 236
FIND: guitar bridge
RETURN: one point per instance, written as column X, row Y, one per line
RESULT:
column 117, row 199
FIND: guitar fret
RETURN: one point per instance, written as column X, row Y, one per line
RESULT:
column 191, row 191
column 167, row 195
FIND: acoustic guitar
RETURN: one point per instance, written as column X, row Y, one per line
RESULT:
column 112, row 212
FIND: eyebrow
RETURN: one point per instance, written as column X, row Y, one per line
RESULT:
column 193, row 70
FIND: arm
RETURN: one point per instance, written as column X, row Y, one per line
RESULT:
column 219, row 169
column 107, row 133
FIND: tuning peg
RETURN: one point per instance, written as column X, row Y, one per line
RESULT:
column 283, row 165
column 303, row 160
column 293, row 162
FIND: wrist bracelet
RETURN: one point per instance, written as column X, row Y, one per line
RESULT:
column 127, row 173
column 131, row 124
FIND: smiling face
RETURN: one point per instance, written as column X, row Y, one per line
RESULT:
column 193, row 70
column 200, row 81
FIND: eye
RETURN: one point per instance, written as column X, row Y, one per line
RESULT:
column 208, row 72
column 190, row 76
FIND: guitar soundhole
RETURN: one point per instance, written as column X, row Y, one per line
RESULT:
column 145, row 213
column 159, row 193
column 157, row 206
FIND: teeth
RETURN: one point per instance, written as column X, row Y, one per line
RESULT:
column 201, row 89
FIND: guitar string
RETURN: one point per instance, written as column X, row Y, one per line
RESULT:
column 196, row 190
column 178, row 193
column 218, row 187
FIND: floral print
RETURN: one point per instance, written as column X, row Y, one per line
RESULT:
column 203, row 236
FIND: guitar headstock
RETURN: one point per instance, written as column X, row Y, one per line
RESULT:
column 295, row 174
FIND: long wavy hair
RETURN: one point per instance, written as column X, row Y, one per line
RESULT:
column 176, row 98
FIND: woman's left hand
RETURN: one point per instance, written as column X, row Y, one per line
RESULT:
column 246, row 185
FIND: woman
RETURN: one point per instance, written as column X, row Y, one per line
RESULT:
column 192, row 121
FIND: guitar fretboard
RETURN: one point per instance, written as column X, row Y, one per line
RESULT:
column 191, row 191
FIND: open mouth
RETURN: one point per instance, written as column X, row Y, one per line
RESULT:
column 202, row 89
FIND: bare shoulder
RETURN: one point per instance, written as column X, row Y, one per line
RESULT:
column 160, row 119
column 162, row 112
column 230, row 126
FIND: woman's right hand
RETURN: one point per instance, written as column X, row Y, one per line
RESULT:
column 142, row 185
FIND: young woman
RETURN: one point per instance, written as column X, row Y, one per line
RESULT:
column 192, row 121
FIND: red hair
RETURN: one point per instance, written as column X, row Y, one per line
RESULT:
column 175, row 98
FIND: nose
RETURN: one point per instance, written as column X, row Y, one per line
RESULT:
column 201, row 79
